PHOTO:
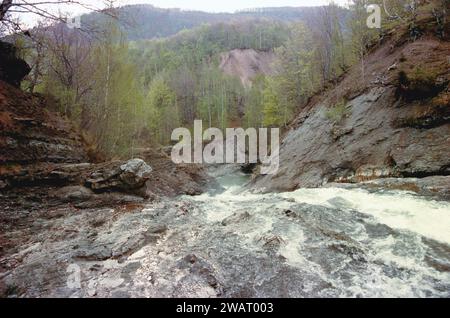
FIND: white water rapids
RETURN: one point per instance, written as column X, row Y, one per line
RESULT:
column 326, row 242
column 231, row 242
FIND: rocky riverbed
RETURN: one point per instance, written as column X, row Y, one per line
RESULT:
column 328, row 242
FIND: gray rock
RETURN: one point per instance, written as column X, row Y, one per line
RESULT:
column 74, row 194
column 121, row 294
column 436, row 186
column 157, row 229
column 3, row 185
column 93, row 253
column 135, row 173
column 109, row 199
column 365, row 145
column 236, row 218
column 131, row 175
column 114, row 246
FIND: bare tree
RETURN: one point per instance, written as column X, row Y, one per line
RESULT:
column 13, row 11
column 5, row 6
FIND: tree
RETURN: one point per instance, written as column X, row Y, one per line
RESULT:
column 162, row 110
column 295, row 79
column 362, row 36
column 254, row 103
column 273, row 112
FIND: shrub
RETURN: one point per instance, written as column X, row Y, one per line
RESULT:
column 337, row 112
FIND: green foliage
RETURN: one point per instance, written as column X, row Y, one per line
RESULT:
column 127, row 93
column 337, row 112
column 190, row 63
column 147, row 22
column 276, row 110
column 273, row 115
column 254, row 103
column 161, row 109
column 96, row 86
column 362, row 37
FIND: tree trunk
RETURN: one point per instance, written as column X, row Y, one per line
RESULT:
column 4, row 7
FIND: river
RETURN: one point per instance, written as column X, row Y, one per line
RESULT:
column 232, row 242
column 326, row 242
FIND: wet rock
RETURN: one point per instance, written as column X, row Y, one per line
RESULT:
column 290, row 213
column 434, row 186
column 157, row 229
column 113, row 246
column 191, row 259
column 115, row 239
column 352, row 251
column 437, row 255
column 271, row 241
column 236, row 218
column 170, row 179
column 127, row 246
column 199, row 268
column 377, row 231
column 212, row 281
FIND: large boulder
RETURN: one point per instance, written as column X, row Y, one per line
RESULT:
column 131, row 175
column 12, row 69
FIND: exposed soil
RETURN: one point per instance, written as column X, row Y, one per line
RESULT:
column 247, row 64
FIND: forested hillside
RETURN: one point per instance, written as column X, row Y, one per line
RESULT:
column 148, row 22
column 124, row 93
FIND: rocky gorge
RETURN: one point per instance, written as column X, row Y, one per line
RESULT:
column 359, row 207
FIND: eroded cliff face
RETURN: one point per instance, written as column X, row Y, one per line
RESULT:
column 247, row 64
column 393, row 122
column 29, row 133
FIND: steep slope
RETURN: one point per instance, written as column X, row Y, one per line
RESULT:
column 246, row 64
column 394, row 122
column 29, row 134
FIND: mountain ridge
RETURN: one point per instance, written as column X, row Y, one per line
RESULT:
column 150, row 22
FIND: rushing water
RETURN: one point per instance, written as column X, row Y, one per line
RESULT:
column 308, row 243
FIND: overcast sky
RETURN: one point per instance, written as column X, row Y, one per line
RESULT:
column 228, row 5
